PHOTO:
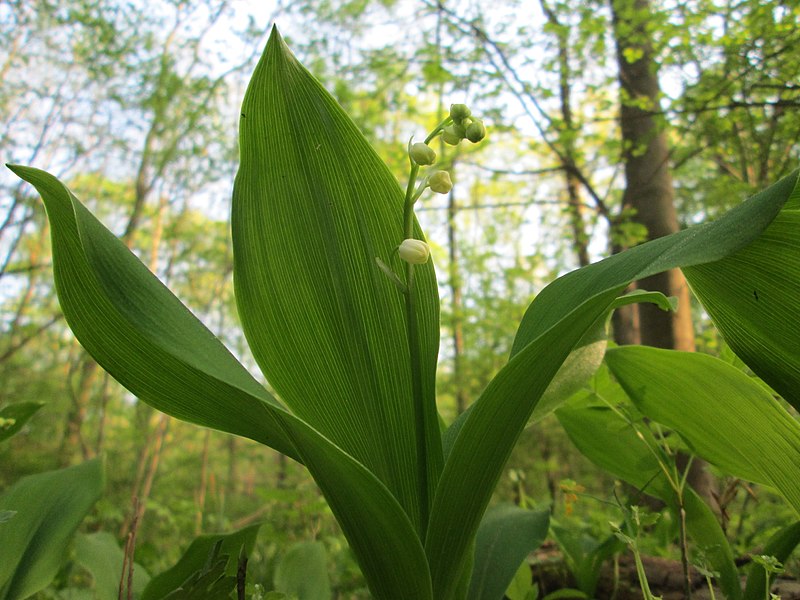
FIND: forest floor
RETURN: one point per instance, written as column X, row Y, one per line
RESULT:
column 664, row 576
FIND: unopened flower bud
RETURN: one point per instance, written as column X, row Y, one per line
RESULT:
column 422, row 154
column 460, row 129
column 414, row 251
column 450, row 136
column 440, row 182
column 476, row 131
column 459, row 111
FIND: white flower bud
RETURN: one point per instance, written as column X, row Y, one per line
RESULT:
column 440, row 182
column 422, row 154
column 414, row 251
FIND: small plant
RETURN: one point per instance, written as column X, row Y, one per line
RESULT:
column 351, row 346
column 635, row 520
column 772, row 566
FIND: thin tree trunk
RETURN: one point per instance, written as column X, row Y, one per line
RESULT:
column 575, row 208
column 105, row 395
column 73, row 444
column 147, row 469
column 453, row 270
column 457, row 318
column 200, row 498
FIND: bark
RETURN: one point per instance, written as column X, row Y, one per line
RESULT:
column 648, row 191
column 649, row 195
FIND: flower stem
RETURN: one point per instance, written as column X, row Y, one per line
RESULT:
column 420, row 424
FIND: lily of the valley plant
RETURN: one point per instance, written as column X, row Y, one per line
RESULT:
column 338, row 301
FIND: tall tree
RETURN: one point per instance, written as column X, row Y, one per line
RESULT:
column 648, row 194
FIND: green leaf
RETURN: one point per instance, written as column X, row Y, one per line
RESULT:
column 14, row 416
column 196, row 558
column 487, row 437
column 506, row 536
column 780, row 546
column 576, row 370
column 585, row 554
column 733, row 423
column 611, row 443
column 707, row 244
column 752, row 299
column 552, row 326
column 303, row 572
column 49, row 507
column 100, row 554
column 139, row 332
column 522, row 588
column 313, row 207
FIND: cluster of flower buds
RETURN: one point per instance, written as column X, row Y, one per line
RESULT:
column 459, row 125
column 439, row 181
column 464, row 126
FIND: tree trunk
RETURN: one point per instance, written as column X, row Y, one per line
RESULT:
column 649, row 194
column 648, row 191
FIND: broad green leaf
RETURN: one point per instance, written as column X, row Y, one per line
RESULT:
column 752, row 297
column 577, row 369
column 611, row 443
column 139, row 332
column 196, row 557
column 781, row 545
column 14, row 416
column 506, row 536
column 313, row 206
column 705, row 244
column 303, row 572
column 724, row 416
column 100, row 554
column 552, row 326
column 49, row 507
column 587, row 356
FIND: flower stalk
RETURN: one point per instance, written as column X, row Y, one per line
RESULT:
column 412, row 252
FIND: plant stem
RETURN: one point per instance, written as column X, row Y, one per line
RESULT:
column 418, row 399
column 408, row 206
column 421, row 427
column 687, row 577
column 420, row 419
column 445, row 122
